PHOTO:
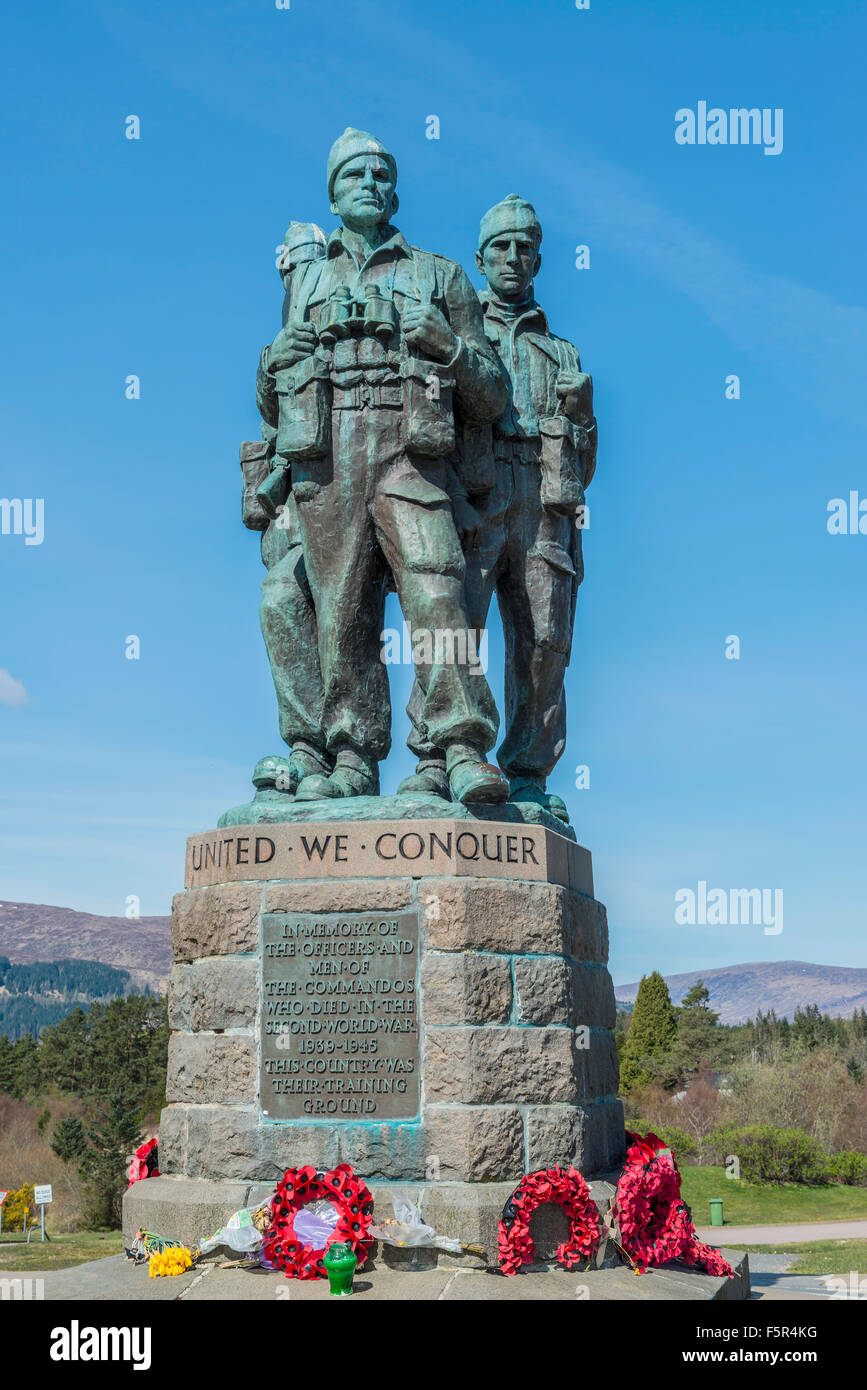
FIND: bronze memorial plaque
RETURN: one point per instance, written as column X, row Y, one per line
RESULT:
column 340, row 1037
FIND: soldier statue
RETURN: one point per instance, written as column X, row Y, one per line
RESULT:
column 383, row 345
column 544, row 444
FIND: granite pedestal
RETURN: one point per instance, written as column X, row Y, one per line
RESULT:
column 426, row 999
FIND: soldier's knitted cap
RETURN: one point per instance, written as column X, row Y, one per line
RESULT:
column 513, row 214
column 350, row 145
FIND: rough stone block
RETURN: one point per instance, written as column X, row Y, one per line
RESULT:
column 466, row 987
column 283, row 1146
column 593, row 1002
column 474, row 1143
column 491, row 915
column 173, row 1139
column 543, row 989
column 186, row 1209
column 222, row 1142
column 560, row 1135
column 615, row 1131
column 389, row 1150
column 510, row 1064
column 339, row 895
column 211, row 1068
column 587, row 928
column 178, row 997
column 224, row 994
column 216, row 921
column 596, row 1067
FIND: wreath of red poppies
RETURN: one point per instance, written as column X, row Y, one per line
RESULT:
column 569, row 1191
column 654, row 1222
column 341, row 1185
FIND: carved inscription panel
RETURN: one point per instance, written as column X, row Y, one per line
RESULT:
column 340, row 1027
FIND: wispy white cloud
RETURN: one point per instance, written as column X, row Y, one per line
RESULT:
column 12, row 691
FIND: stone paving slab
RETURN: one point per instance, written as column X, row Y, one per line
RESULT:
column 112, row 1278
column 116, row 1279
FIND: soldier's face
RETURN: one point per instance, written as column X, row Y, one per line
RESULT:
column 510, row 262
column 363, row 194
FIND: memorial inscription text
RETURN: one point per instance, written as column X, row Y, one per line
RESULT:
column 340, row 1029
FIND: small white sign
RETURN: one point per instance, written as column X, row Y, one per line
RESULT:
column 42, row 1195
column 3, row 1196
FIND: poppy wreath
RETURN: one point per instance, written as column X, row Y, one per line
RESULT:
column 284, row 1250
column 654, row 1221
column 569, row 1191
column 145, row 1162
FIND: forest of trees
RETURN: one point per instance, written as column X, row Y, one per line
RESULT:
column 795, row 1092
column 73, row 1104
column 39, row 994
column 118, row 1046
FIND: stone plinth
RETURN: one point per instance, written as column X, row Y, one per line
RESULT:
column 426, row 1000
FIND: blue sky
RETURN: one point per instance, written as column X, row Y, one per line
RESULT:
column 708, row 516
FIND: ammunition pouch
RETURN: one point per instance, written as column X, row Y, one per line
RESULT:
column 273, row 492
column 304, row 420
column 255, row 466
column 428, row 408
column 562, row 463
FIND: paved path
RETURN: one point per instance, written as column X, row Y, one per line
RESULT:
column 114, row 1278
column 746, row 1236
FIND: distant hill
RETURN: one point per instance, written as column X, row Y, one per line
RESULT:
column 38, row 932
column 738, row 992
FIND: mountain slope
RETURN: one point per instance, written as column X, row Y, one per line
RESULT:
column 39, row 932
column 738, row 992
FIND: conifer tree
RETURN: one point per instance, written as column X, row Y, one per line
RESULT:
column 651, row 1035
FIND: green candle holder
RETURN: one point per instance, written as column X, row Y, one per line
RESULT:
column 340, row 1263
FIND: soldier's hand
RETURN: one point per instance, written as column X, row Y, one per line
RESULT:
column 468, row 523
column 575, row 390
column 292, row 344
column 425, row 328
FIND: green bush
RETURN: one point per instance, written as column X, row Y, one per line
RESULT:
column 849, row 1167
column 769, row 1154
column 16, row 1208
column 682, row 1145
column 717, row 1145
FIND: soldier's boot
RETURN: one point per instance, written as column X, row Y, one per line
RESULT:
column 472, row 780
column 353, row 775
column 429, row 779
column 284, row 771
column 532, row 789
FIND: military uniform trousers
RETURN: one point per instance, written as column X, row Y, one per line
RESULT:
column 364, row 509
column 531, row 558
column 288, row 621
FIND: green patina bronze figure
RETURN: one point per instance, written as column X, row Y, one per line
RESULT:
column 381, row 363
column 530, row 548
column 287, row 614
column 416, row 436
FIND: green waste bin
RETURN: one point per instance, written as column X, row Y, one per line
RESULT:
column 716, row 1211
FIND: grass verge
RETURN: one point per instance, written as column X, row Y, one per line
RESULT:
column 748, row 1204
column 821, row 1256
column 60, row 1252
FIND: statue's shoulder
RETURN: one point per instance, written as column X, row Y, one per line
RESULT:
column 434, row 255
column 444, row 268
